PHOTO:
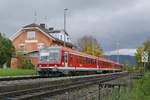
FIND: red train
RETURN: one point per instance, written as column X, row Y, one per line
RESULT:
column 60, row 60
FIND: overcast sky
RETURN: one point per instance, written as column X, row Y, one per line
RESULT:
column 125, row 21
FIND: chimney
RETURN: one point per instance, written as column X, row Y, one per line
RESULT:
column 51, row 28
column 42, row 25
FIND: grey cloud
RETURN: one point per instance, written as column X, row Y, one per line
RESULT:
column 126, row 21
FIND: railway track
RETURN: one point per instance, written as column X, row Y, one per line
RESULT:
column 11, row 78
column 59, row 86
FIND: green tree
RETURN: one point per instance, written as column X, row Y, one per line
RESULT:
column 28, row 65
column 90, row 45
column 138, row 58
column 23, row 61
column 127, row 67
column 146, row 47
column 6, row 50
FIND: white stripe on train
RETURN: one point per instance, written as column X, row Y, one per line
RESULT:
column 77, row 68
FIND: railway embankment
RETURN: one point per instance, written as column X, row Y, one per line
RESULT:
column 53, row 87
column 137, row 89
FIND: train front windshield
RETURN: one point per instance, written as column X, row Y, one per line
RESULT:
column 50, row 55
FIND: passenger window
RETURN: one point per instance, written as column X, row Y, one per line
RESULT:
column 65, row 57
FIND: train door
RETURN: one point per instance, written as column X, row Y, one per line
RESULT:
column 66, row 59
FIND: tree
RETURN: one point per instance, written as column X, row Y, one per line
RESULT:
column 127, row 67
column 90, row 45
column 23, row 61
column 6, row 50
column 138, row 58
column 146, row 47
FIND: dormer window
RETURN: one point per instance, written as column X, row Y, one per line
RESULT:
column 31, row 35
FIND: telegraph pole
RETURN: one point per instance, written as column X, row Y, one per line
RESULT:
column 117, row 47
column 65, row 13
column 93, row 47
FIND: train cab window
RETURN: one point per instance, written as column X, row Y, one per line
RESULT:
column 49, row 55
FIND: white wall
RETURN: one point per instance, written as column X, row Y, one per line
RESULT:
column 60, row 36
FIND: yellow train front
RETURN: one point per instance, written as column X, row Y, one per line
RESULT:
column 65, row 61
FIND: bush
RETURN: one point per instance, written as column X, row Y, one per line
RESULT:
column 127, row 67
column 140, row 90
column 28, row 65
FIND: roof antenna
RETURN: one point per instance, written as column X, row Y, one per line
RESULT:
column 45, row 18
column 35, row 16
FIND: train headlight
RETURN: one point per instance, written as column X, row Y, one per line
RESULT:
column 39, row 65
column 38, row 69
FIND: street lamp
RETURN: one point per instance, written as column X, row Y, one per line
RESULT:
column 65, row 11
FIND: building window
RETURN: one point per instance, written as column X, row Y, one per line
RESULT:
column 68, row 39
column 40, row 45
column 61, row 37
column 21, row 47
column 31, row 35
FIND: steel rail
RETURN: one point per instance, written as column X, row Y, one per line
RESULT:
column 13, row 78
column 59, row 88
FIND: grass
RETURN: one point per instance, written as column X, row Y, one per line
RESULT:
column 16, row 72
column 140, row 90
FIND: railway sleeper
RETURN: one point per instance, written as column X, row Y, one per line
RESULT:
column 34, row 91
column 60, row 89
column 37, row 91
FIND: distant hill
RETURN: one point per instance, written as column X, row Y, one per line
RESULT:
column 122, row 59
